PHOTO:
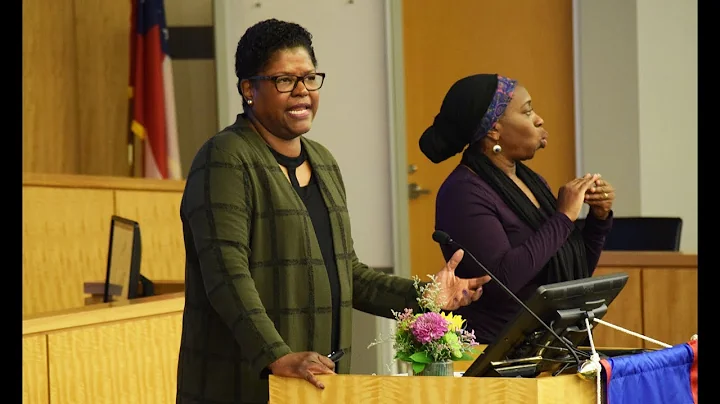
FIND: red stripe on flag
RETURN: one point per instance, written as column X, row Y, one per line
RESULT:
column 149, row 96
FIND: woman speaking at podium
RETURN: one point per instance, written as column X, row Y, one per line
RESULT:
column 499, row 209
column 272, row 276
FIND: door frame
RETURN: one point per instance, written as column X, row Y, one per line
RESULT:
column 398, row 140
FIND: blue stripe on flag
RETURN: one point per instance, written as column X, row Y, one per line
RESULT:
column 151, row 13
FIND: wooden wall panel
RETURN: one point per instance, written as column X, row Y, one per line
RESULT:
column 75, row 86
column 133, row 361
column 670, row 313
column 163, row 251
column 35, row 370
column 49, row 84
column 625, row 311
column 65, row 242
column 103, row 49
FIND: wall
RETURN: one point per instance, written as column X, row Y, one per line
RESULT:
column 667, row 91
column 608, row 82
column 191, row 32
column 75, row 80
column 638, row 105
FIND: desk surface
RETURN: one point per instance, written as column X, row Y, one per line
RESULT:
column 101, row 182
column 647, row 259
column 104, row 313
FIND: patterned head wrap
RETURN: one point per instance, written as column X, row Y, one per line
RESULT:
column 469, row 110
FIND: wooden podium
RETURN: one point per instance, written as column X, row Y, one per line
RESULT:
column 364, row 389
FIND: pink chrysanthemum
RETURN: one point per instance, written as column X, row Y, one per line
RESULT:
column 429, row 327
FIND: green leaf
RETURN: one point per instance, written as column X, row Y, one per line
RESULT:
column 403, row 357
column 466, row 357
column 421, row 357
column 418, row 367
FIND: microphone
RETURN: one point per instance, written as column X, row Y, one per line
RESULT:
column 443, row 238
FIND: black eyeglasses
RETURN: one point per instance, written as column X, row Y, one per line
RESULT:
column 286, row 83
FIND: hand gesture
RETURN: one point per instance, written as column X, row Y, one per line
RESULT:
column 600, row 197
column 303, row 365
column 457, row 292
column 572, row 195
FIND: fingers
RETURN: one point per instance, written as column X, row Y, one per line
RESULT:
column 599, row 184
column 473, row 292
column 601, row 187
column 313, row 380
column 318, row 366
column 600, row 196
column 578, row 180
column 476, row 283
column 327, row 362
column 463, row 300
column 454, row 260
column 600, row 204
column 588, row 181
column 584, row 182
column 476, row 295
column 320, row 369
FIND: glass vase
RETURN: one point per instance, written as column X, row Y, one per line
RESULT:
column 435, row 369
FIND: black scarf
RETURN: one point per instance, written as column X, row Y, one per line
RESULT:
column 569, row 261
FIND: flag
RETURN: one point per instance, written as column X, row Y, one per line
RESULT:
column 665, row 376
column 152, row 96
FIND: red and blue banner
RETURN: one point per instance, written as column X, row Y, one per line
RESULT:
column 152, row 94
column 665, row 376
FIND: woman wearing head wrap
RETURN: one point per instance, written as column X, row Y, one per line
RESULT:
column 502, row 211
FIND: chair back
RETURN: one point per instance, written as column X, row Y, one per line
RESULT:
column 643, row 234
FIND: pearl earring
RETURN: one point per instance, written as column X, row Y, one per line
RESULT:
column 497, row 149
column 250, row 102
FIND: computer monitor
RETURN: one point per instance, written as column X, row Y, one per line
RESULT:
column 123, row 262
column 525, row 348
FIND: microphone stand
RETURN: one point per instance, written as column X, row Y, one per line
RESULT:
column 443, row 238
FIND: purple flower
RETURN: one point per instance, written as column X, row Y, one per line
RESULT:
column 429, row 327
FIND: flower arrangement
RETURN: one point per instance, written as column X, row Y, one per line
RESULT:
column 429, row 336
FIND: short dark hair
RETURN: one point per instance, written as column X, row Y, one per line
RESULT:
column 260, row 42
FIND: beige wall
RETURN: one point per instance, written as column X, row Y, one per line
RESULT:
column 667, row 90
column 637, row 78
column 194, row 82
column 608, row 82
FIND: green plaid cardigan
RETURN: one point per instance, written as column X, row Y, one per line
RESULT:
column 256, row 287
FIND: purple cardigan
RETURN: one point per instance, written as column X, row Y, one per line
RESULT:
column 474, row 215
